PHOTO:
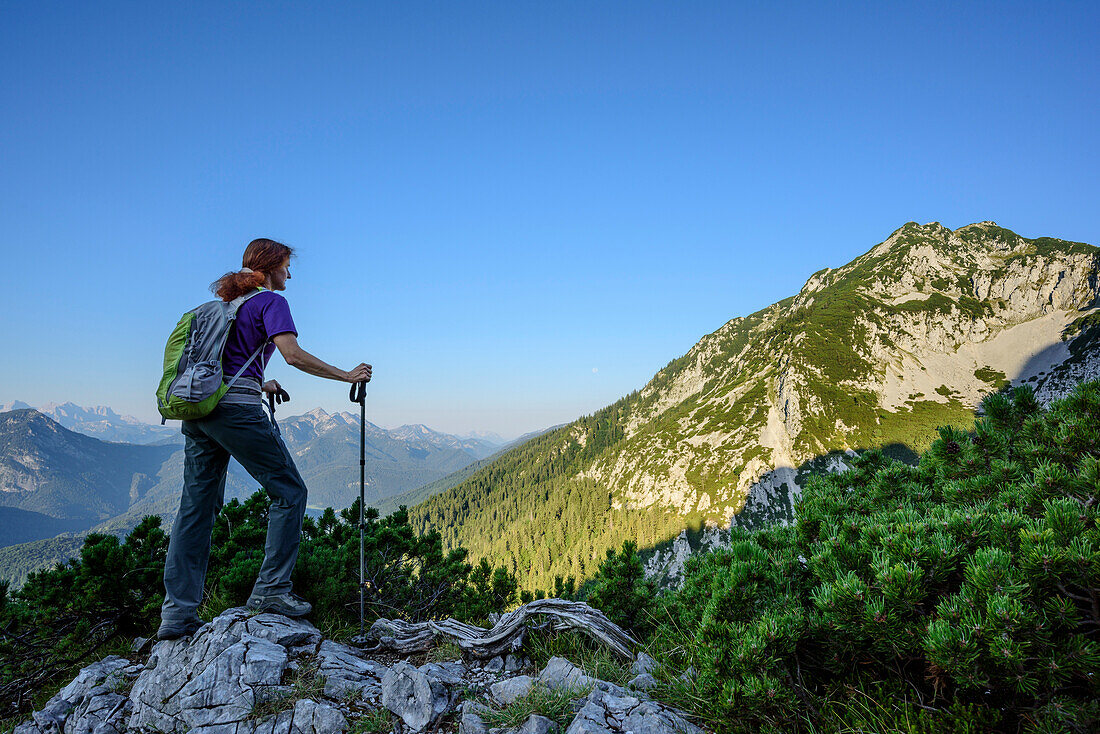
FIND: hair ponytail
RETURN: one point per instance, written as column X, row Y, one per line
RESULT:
column 262, row 256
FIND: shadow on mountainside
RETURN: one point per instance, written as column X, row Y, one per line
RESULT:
column 664, row 561
column 1055, row 369
column 901, row 452
column 770, row 502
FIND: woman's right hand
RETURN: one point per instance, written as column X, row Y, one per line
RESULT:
column 359, row 374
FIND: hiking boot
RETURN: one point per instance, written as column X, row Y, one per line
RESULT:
column 173, row 630
column 289, row 605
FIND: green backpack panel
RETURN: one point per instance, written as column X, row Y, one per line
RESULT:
column 193, row 383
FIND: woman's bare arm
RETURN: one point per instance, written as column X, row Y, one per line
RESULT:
column 297, row 357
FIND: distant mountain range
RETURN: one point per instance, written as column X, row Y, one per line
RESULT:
column 105, row 424
column 326, row 449
column 489, row 436
column 101, row 422
column 57, row 481
column 48, row 469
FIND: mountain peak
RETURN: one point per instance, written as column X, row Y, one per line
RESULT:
column 68, row 405
column 33, row 425
column 851, row 360
column 487, row 436
column 28, row 414
column 100, row 422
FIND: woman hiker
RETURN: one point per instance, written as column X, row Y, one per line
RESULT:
column 237, row 427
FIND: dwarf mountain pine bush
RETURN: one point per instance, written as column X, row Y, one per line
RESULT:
column 967, row 586
column 65, row 616
column 621, row 590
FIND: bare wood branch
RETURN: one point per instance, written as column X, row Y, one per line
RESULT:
column 405, row 638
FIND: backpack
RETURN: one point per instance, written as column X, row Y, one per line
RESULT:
column 193, row 383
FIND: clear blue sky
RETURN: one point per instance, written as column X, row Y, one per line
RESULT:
column 517, row 212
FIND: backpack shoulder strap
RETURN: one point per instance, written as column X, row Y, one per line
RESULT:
column 245, row 365
column 235, row 305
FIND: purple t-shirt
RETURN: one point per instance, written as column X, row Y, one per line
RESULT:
column 260, row 318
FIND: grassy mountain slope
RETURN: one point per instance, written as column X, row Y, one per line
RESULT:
column 876, row 353
column 525, row 511
column 880, row 351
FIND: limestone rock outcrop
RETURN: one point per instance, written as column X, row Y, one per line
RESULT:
column 247, row 673
column 920, row 327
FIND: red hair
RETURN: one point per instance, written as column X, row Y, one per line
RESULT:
column 262, row 256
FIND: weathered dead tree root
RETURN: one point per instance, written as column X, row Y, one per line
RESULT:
column 404, row 638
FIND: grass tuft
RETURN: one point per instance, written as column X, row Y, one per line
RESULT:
column 271, row 703
column 306, row 682
column 444, row 651
column 596, row 660
column 119, row 683
column 854, row 710
column 553, row 703
column 214, row 602
column 372, row 722
column 302, row 683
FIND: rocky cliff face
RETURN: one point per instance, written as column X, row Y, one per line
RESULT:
column 910, row 335
column 266, row 674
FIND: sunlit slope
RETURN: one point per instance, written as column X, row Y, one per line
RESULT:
column 876, row 353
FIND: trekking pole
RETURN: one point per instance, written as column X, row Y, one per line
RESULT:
column 358, row 394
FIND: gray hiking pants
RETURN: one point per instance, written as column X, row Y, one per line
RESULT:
column 245, row 433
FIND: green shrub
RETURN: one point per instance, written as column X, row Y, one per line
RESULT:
column 65, row 616
column 621, row 590
column 967, row 584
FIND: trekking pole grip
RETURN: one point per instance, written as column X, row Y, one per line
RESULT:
column 358, row 392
